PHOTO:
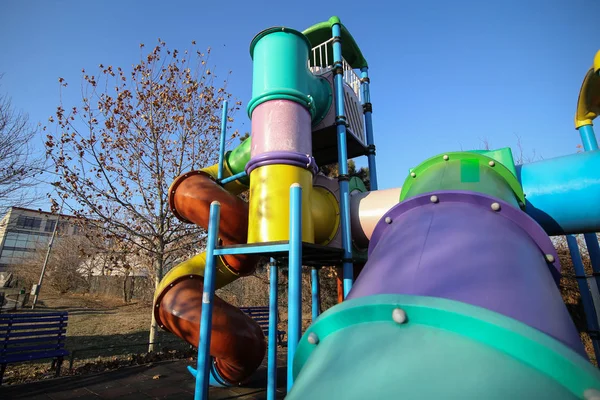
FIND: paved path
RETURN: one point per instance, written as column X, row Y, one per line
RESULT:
column 163, row 380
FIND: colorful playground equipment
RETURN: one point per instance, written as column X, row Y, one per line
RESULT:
column 458, row 296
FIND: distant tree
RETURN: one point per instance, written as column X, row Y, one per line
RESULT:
column 518, row 152
column 18, row 164
column 117, row 152
column 63, row 270
column 332, row 171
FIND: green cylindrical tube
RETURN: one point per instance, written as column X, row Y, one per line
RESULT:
column 469, row 171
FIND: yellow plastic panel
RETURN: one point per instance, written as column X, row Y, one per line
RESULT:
column 269, row 214
column 326, row 215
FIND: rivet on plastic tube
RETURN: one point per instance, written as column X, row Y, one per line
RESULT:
column 591, row 394
column 446, row 158
column 399, row 316
column 313, row 338
column 550, row 259
column 491, row 163
column 434, row 199
column 414, row 175
column 388, row 220
column 496, row 206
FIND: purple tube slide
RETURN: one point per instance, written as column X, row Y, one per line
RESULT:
column 456, row 245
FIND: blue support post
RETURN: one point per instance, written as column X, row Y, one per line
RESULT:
column 342, row 159
column 593, row 248
column 368, row 111
column 294, row 279
column 222, row 144
column 233, row 177
column 316, row 293
column 208, row 294
column 272, row 349
column 590, row 143
column 586, row 300
column 588, row 138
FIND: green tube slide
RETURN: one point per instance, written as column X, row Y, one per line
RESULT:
column 237, row 159
column 487, row 172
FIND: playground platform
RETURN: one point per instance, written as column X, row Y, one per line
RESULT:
column 161, row 380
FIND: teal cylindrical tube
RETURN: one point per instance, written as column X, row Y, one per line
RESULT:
column 280, row 57
column 414, row 347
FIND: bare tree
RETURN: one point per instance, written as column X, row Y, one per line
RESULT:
column 117, row 153
column 19, row 166
column 518, row 152
column 63, row 272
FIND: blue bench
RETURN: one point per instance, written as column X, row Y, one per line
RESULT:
column 32, row 336
column 261, row 316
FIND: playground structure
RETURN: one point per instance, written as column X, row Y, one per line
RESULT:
column 458, row 296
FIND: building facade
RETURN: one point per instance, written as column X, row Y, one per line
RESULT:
column 24, row 231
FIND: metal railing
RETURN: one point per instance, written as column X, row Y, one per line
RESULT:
column 322, row 62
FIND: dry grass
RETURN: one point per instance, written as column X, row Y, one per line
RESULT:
column 570, row 293
column 103, row 333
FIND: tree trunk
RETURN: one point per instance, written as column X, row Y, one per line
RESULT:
column 125, row 299
column 153, row 326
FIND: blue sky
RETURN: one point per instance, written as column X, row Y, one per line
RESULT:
column 445, row 74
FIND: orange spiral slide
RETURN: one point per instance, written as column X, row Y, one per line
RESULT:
column 237, row 342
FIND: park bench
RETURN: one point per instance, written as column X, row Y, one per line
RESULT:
column 261, row 316
column 32, row 336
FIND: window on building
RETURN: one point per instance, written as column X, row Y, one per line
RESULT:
column 29, row 222
column 11, row 240
column 50, row 224
column 63, row 226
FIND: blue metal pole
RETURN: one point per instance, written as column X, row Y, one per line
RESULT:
column 588, row 138
column 294, row 279
column 589, row 142
column 273, row 315
column 342, row 159
column 591, row 242
column 208, row 294
column 586, row 300
column 316, row 293
column 368, row 111
column 233, row 177
column 222, row 144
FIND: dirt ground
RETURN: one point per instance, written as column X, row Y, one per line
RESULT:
column 102, row 333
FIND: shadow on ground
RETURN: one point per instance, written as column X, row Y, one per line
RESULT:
column 165, row 380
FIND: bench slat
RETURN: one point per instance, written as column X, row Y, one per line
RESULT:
column 38, row 339
column 32, row 320
column 4, row 317
column 30, row 327
column 45, row 347
column 34, row 333
column 33, row 356
column 261, row 316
